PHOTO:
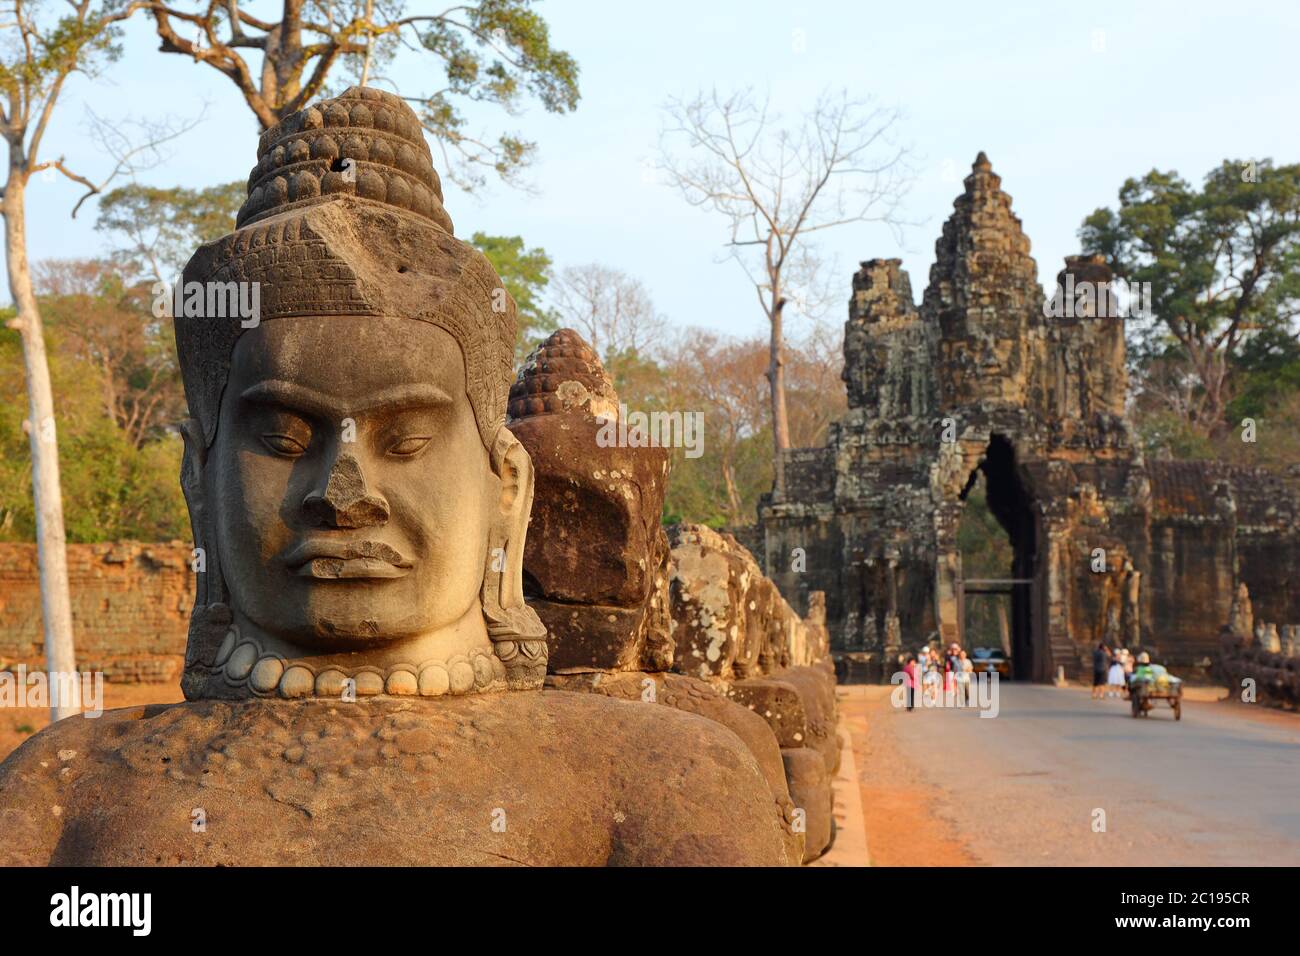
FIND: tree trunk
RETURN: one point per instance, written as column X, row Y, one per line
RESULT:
column 1216, row 381
column 51, row 545
column 1004, row 629
column 370, row 44
column 733, row 496
column 776, row 381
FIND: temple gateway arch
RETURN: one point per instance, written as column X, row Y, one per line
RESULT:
column 1106, row 545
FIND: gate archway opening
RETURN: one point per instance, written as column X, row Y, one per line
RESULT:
column 1005, row 568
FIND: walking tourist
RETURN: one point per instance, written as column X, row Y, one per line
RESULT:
column 1100, row 665
column 1115, row 676
column 933, row 679
column 966, row 667
column 910, row 670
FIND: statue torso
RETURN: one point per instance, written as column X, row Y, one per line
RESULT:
column 523, row 778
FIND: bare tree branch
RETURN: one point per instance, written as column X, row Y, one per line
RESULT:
column 775, row 186
column 612, row 310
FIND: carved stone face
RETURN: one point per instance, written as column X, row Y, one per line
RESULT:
column 355, row 493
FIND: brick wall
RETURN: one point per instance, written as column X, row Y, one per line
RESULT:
column 130, row 608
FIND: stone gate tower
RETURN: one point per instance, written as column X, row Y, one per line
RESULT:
column 980, row 377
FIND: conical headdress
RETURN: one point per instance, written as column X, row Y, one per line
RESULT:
column 344, row 216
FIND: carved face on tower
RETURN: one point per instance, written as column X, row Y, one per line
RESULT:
column 361, row 505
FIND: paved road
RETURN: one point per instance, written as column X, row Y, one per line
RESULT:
column 1222, row 786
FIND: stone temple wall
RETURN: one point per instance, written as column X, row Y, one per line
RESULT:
column 985, row 375
column 130, row 608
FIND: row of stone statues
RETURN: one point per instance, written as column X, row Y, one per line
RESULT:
column 682, row 617
column 366, row 675
column 1255, row 660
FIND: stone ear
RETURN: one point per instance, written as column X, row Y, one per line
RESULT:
column 192, row 463
column 514, row 468
column 196, row 452
column 211, row 617
column 518, row 635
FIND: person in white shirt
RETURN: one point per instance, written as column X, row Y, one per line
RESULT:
column 1115, row 678
column 965, row 667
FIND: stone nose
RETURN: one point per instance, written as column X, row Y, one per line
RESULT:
column 346, row 502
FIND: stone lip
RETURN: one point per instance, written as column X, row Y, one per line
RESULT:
column 568, row 779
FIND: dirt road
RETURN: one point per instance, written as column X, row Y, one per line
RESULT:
column 1037, row 784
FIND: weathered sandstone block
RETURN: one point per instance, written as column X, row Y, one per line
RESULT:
column 776, row 701
column 695, row 696
column 1248, row 667
column 729, row 618
column 595, row 561
column 816, row 690
column 810, row 789
column 710, row 587
column 130, row 607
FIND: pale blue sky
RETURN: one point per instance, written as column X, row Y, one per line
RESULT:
column 1064, row 112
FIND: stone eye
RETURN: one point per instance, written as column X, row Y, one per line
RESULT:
column 283, row 445
column 409, row 446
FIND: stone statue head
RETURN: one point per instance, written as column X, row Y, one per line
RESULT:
column 360, row 505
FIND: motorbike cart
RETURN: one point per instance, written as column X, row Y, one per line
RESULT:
column 1144, row 691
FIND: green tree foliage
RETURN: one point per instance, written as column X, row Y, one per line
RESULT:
column 157, row 229
column 112, row 490
column 83, row 36
column 1223, row 263
column 106, row 324
column 116, row 383
column 985, row 545
column 525, row 274
column 1268, row 374
column 488, row 51
column 722, row 380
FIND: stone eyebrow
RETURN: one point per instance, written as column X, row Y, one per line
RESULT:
column 290, row 395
